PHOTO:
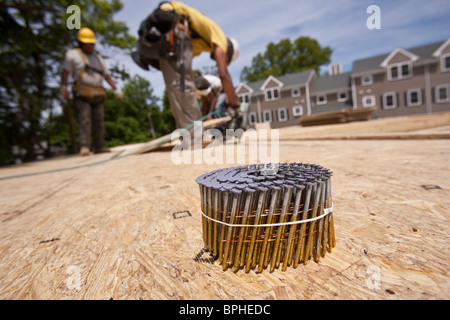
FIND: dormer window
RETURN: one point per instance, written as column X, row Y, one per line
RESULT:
column 399, row 71
column 272, row 89
column 445, row 63
column 399, row 64
column 244, row 98
column 272, row 94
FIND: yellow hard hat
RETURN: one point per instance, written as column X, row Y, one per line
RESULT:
column 86, row 35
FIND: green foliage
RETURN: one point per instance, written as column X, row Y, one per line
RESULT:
column 132, row 120
column 33, row 39
column 287, row 57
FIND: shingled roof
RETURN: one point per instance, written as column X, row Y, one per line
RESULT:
column 288, row 80
column 373, row 63
column 331, row 83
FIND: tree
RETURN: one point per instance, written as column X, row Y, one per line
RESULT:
column 287, row 57
column 33, row 39
column 136, row 118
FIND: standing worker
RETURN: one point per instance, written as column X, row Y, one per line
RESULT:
column 169, row 39
column 88, row 70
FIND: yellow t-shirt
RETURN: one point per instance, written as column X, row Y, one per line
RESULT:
column 209, row 32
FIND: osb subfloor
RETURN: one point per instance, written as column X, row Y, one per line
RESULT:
column 131, row 228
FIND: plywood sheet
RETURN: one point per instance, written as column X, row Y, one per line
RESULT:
column 131, row 228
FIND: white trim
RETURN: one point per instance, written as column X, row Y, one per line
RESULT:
column 294, row 95
column 355, row 103
column 272, row 93
column 318, row 102
column 399, row 67
column 312, row 74
column 443, row 68
column 270, row 78
column 250, row 118
column 267, row 112
column 294, row 111
column 438, row 52
column 243, row 85
column 428, row 92
column 243, row 96
column 367, row 105
column 410, row 55
column 339, row 99
column 394, row 100
column 280, row 119
column 368, row 83
column 436, row 93
column 419, row 102
column 308, row 100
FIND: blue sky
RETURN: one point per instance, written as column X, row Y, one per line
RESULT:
column 339, row 24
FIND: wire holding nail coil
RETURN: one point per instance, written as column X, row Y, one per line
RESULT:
column 267, row 216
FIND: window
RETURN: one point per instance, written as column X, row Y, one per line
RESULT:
column 267, row 116
column 441, row 94
column 272, row 94
column 414, row 97
column 282, row 115
column 390, row 100
column 342, row 96
column 366, row 80
column 295, row 92
column 244, row 98
column 445, row 63
column 368, row 101
column 322, row 99
column 400, row 71
column 297, row 111
column 252, row 118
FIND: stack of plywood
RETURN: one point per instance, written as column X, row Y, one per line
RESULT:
column 339, row 116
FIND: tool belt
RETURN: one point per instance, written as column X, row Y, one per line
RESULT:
column 88, row 92
column 85, row 91
column 157, row 39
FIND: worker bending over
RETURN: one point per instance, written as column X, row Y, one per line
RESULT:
column 170, row 38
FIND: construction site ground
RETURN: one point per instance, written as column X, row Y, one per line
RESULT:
column 131, row 228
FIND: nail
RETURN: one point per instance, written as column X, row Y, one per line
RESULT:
column 288, row 254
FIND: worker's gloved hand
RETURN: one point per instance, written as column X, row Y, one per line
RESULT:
column 236, row 118
column 119, row 94
column 64, row 91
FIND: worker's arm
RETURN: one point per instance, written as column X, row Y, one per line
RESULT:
column 227, row 83
column 209, row 104
column 213, row 103
column 111, row 82
column 63, row 88
column 205, row 105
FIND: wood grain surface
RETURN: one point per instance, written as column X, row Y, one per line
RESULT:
column 131, row 228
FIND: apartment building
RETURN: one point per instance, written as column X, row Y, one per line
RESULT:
column 404, row 82
column 280, row 101
column 398, row 83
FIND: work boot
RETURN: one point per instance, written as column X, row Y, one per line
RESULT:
column 84, row 152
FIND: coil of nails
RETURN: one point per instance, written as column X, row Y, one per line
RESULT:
column 262, row 216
